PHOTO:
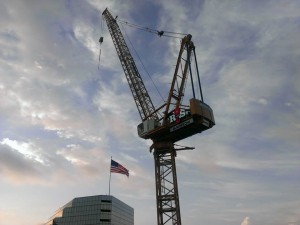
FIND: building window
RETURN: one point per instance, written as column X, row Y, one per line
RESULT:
column 105, row 210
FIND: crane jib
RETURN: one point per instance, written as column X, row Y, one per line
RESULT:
column 139, row 92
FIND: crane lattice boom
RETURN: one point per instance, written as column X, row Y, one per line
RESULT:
column 136, row 84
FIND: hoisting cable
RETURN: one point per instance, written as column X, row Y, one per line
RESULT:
column 100, row 41
column 150, row 30
column 198, row 76
column 142, row 64
column 191, row 74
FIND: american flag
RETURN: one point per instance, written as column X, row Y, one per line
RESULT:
column 118, row 168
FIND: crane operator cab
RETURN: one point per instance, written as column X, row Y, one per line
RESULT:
column 182, row 122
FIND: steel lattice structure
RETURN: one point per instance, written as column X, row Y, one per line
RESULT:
column 168, row 209
column 177, row 123
column 136, row 84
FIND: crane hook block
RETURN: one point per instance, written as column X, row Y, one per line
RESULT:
column 101, row 40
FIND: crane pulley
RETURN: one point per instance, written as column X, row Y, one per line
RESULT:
column 177, row 122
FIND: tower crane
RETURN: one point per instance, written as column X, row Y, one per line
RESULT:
column 176, row 122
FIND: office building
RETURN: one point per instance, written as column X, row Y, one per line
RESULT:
column 94, row 210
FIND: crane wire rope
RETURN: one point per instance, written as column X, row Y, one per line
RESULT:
column 197, row 86
column 142, row 63
column 100, row 41
column 151, row 30
column 185, row 83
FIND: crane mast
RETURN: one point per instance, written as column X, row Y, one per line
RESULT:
column 177, row 122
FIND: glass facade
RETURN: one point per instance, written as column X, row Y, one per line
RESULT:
column 93, row 210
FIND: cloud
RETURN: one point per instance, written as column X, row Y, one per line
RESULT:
column 27, row 163
column 7, row 216
column 246, row 221
column 15, row 167
column 26, row 149
column 61, row 118
column 88, row 162
column 51, row 93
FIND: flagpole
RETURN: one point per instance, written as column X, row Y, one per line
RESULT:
column 109, row 176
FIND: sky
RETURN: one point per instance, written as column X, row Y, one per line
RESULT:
column 64, row 113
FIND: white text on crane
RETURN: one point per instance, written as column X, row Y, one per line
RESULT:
column 178, row 114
